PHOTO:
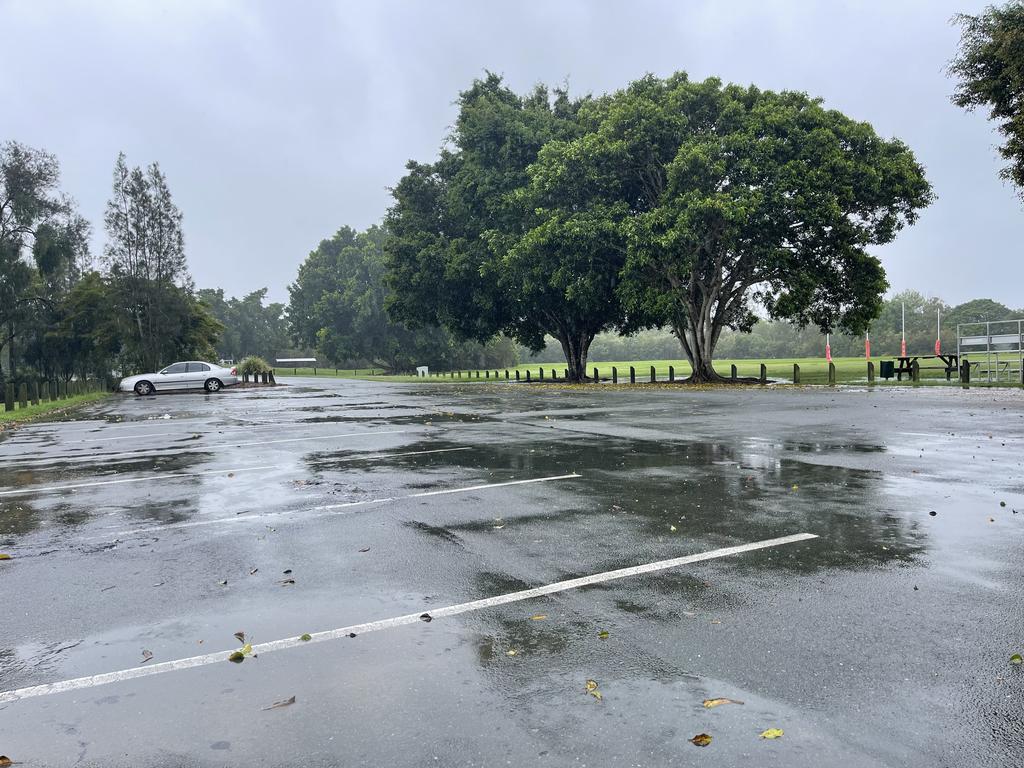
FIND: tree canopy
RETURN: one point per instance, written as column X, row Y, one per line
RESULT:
column 990, row 67
column 470, row 250
column 724, row 196
column 338, row 307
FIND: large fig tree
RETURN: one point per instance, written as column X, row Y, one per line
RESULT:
column 724, row 197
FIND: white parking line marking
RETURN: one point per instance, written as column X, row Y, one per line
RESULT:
column 328, row 507
column 177, row 450
column 398, row 621
column 173, row 475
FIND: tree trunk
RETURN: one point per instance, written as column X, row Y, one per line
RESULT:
column 576, row 347
column 699, row 340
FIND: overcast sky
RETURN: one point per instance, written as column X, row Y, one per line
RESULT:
column 278, row 122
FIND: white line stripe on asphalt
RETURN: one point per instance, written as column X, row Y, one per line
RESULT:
column 173, row 475
column 398, row 621
column 177, row 450
column 327, row 507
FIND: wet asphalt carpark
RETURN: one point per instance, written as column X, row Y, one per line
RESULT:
column 884, row 642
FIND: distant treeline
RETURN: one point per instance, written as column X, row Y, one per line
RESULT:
column 774, row 340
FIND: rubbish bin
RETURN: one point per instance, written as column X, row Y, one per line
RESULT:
column 886, row 369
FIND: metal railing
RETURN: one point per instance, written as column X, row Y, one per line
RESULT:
column 997, row 343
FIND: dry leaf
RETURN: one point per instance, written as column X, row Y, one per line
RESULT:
column 237, row 657
column 240, row 636
column 365, row 549
column 5, row 761
column 4, row 557
column 426, row 617
column 772, row 733
column 306, row 637
column 286, row 582
column 538, row 617
column 603, row 634
column 593, row 691
column 282, row 703
column 701, row 739
column 246, row 650
column 709, row 703
column 146, row 656
column 1016, row 659
column 511, row 652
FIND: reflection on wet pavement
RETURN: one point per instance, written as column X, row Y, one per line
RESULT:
column 896, row 619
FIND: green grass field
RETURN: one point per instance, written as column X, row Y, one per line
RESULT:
column 40, row 411
column 813, row 370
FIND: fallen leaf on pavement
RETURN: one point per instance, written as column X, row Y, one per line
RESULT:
column 223, row 583
column 426, row 617
column 5, row 761
column 286, row 582
column 246, row 650
column 772, row 733
column 252, row 572
column 240, row 636
column 1016, row 659
column 511, row 652
column 603, row 634
column 146, row 656
column 286, row 572
column 593, row 691
column 306, row 637
column 282, row 703
column 4, row 557
column 709, row 703
column 237, row 657
column 701, row 739
column 365, row 549
column 538, row 617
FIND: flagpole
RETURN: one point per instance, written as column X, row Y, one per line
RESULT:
column 903, row 333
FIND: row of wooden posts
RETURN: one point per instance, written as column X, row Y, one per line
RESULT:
column 34, row 391
column 915, row 374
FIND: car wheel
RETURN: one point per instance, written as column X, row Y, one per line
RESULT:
column 143, row 388
column 212, row 385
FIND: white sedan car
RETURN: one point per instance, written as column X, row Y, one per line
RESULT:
column 193, row 374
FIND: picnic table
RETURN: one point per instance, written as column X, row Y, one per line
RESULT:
column 951, row 364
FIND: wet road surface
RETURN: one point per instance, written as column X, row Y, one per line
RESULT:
column 164, row 525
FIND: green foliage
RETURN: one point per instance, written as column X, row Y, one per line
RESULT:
column 252, row 365
column 472, row 248
column 990, row 67
column 724, row 197
column 249, row 326
column 338, row 307
column 160, row 318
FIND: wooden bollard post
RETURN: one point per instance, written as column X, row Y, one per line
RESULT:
column 270, row 377
column 597, row 376
column 764, row 373
column 62, row 390
column 506, row 374
column 554, row 375
column 871, row 372
column 615, row 375
column 734, row 372
column 487, row 375
column 671, row 373
column 34, row 392
column 527, row 375
column 495, row 374
column 796, row 373
column 22, row 395
column 654, row 377
column 541, row 376
column 632, row 375
column 52, row 386
column 915, row 372
column 517, row 374
column 8, row 396
column 566, row 374
column 965, row 372
column 831, row 374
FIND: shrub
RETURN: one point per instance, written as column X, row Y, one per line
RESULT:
column 253, row 365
